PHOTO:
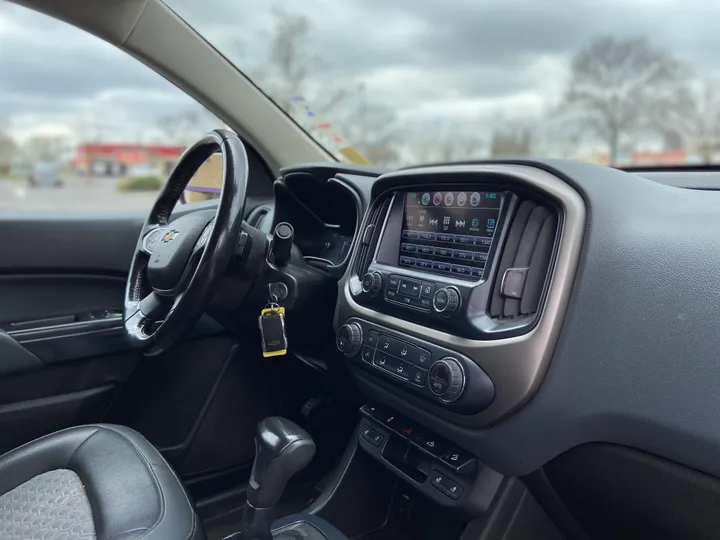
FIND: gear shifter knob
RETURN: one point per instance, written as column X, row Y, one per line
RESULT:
column 282, row 448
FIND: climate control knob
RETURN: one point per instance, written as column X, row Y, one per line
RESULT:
column 349, row 338
column 446, row 379
column 446, row 301
column 372, row 283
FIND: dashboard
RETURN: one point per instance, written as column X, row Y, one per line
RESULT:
column 572, row 304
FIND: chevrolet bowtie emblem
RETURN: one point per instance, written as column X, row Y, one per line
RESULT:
column 168, row 236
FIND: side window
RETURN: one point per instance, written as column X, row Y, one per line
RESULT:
column 84, row 126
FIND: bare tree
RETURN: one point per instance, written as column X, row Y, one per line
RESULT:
column 371, row 129
column 8, row 147
column 451, row 142
column 702, row 126
column 286, row 73
column 622, row 86
column 46, row 148
column 184, row 127
column 511, row 141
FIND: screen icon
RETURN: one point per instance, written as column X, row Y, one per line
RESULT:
column 491, row 223
column 437, row 199
column 475, row 222
column 446, row 220
column 449, row 198
column 459, row 223
column 462, row 199
column 425, row 199
column 433, row 222
column 475, row 199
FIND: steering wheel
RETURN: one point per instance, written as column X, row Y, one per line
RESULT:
column 169, row 285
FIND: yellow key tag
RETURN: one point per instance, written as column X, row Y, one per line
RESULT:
column 272, row 330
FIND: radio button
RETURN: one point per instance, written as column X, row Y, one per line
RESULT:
column 422, row 303
column 476, row 272
column 428, row 289
column 441, row 266
column 393, row 282
column 410, row 288
column 447, row 301
column 461, row 269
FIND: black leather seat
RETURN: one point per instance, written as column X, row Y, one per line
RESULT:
column 98, row 481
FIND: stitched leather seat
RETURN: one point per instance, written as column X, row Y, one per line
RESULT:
column 98, row 481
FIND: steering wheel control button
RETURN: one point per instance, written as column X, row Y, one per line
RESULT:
column 372, row 283
column 349, row 339
column 151, row 239
column 446, row 485
column 447, row 301
column 459, row 460
column 447, row 379
column 372, row 436
column 410, row 288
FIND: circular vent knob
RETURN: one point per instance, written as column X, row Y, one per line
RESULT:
column 349, row 338
column 446, row 379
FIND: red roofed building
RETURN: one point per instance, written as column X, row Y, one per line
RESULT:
column 111, row 159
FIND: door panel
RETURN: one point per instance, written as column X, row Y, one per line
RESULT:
column 64, row 360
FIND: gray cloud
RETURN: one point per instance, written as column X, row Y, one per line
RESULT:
column 420, row 57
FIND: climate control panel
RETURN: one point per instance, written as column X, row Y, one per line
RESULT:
column 434, row 372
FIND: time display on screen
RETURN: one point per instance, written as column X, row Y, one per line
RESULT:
column 449, row 232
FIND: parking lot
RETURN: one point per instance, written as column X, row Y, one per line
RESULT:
column 77, row 194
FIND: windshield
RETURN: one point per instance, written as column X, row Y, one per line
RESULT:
column 632, row 83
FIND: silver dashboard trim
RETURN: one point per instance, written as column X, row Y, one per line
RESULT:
column 517, row 365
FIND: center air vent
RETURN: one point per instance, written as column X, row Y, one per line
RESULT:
column 370, row 236
column 525, row 262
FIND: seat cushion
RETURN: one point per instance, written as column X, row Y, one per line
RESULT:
column 98, row 481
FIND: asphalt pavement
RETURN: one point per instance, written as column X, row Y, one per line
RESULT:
column 77, row 194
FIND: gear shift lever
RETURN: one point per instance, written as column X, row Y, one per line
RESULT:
column 282, row 448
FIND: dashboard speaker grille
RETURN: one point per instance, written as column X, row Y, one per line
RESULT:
column 527, row 252
column 370, row 236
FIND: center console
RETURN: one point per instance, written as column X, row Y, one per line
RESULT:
column 456, row 286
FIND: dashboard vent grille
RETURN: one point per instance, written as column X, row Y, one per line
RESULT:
column 370, row 236
column 527, row 252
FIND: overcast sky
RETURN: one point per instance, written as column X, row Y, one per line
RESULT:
column 436, row 63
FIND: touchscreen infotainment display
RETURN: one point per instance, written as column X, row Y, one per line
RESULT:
column 449, row 232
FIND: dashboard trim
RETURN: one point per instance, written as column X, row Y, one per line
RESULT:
column 517, row 365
